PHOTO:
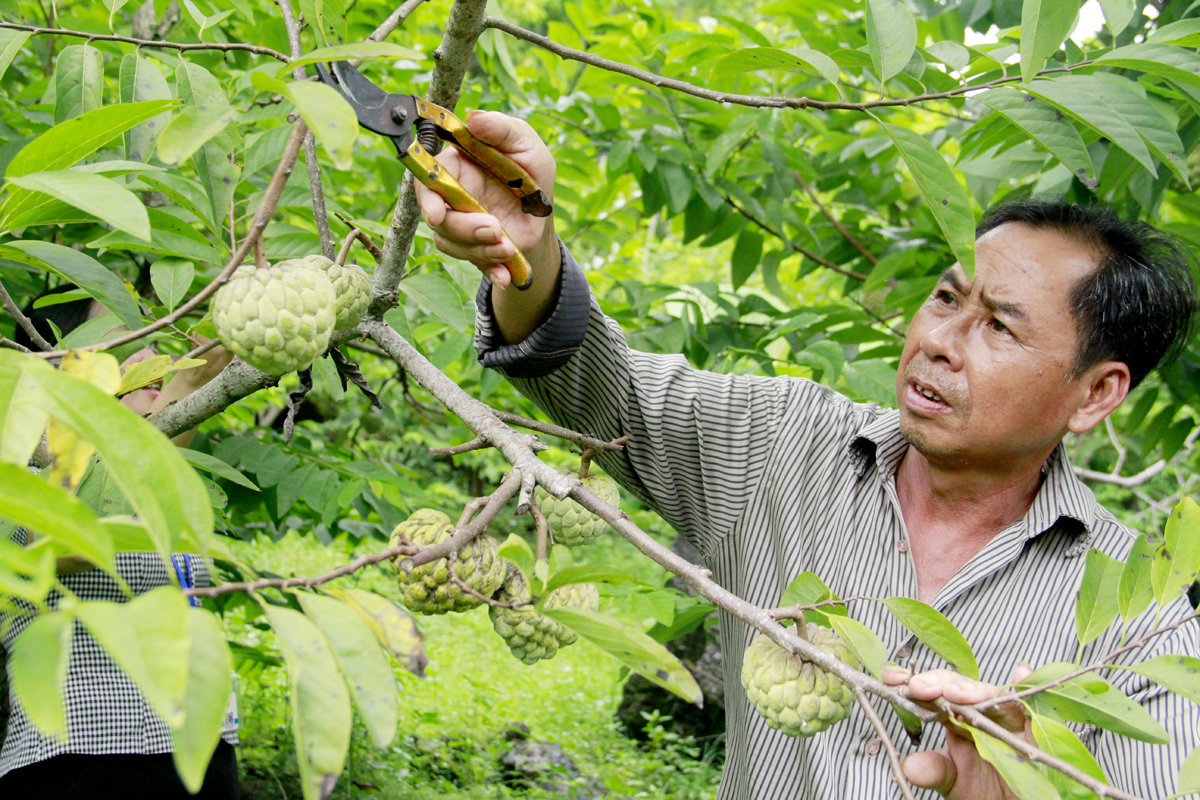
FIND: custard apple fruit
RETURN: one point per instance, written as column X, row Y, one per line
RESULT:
column 795, row 695
column 351, row 288
column 427, row 588
column 571, row 523
column 530, row 635
column 277, row 319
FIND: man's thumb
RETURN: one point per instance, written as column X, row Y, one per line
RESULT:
column 505, row 133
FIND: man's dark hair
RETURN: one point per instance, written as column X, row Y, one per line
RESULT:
column 1139, row 305
column 65, row 316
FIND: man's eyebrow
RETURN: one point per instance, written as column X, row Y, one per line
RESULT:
column 951, row 277
column 1014, row 310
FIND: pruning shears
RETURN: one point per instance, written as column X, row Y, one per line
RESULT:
column 417, row 128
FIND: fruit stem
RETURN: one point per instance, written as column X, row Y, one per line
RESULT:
column 260, row 256
column 543, row 532
column 585, row 462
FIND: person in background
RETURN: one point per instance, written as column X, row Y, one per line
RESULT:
column 116, row 746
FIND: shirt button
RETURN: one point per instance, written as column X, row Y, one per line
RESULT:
column 873, row 747
column 904, row 652
column 902, row 545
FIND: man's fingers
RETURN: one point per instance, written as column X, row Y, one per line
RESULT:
column 1021, row 671
column 433, row 207
column 931, row 770
column 482, row 256
column 896, row 676
column 506, row 134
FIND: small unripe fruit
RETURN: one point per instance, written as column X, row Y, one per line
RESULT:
column 530, row 635
column 571, row 523
column 427, row 589
column 351, row 289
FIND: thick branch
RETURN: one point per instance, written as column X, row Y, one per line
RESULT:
column 824, row 262
column 262, row 216
column 23, row 321
column 893, row 755
column 463, row 27
column 755, row 101
column 517, row 448
column 236, row 381
column 310, row 142
column 105, row 37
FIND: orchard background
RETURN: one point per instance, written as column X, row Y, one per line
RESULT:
column 767, row 192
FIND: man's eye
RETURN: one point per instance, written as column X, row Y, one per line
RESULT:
column 1000, row 327
column 943, row 296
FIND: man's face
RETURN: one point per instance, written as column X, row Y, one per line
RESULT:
column 985, row 377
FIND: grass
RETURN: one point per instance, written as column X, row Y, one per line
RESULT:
column 452, row 722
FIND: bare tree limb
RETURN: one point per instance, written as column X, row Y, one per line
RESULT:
column 158, row 43
column 1133, row 480
column 463, row 27
column 307, row 583
column 456, row 450
column 796, row 248
column 888, row 745
column 543, row 532
column 835, row 222
column 10, row 344
column 23, row 321
column 496, row 501
column 754, row 101
column 394, row 20
column 262, row 216
column 550, row 429
column 310, row 142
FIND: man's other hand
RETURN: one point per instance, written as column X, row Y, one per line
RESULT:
column 957, row 771
column 479, row 238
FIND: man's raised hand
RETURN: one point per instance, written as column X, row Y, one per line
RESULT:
column 957, row 771
column 479, row 238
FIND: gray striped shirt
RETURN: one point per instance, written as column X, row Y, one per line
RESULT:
column 770, row 477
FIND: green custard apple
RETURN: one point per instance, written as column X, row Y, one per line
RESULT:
column 571, row 523
column 351, row 289
column 427, row 588
column 530, row 635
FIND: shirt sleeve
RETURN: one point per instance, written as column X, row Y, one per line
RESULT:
column 699, row 441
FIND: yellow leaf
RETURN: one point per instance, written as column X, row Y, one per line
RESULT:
column 71, row 456
column 144, row 373
column 395, row 628
column 99, row 369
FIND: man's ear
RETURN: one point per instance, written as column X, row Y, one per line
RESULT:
column 1106, row 385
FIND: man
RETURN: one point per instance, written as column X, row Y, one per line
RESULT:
column 964, row 498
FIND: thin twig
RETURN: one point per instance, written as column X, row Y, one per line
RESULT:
column 1133, row 480
column 344, row 251
column 308, row 583
column 888, row 745
column 824, row 262
column 495, row 501
column 585, row 460
column 461, row 584
column 1116, row 443
column 262, row 216
column 363, row 237
column 456, row 450
column 106, row 37
column 550, row 429
column 22, row 320
column 9, row 343
column 394, row 20
column 754, row 101
column 543, row 532
column 837, row 225
column 202, row 349
column 366, row 347
column 310, row 142
column 471, row 509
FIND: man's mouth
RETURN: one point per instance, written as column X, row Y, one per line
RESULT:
column 923, row 398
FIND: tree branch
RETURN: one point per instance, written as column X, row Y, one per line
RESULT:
column 581, row 439
column 824, row 262
column 754, row 101
column 9, row 343
column 22, row 320
column 105, row 37
column 463, row 27
column 888, row 744
column 394, row 20
column 262, row 216
column 1133, row 480
column 310, row 142
column 837, row 225
column 307, row 583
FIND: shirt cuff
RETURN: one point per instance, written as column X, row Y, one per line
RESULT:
column 552, row 344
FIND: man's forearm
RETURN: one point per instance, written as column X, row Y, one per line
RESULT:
column 517, row 312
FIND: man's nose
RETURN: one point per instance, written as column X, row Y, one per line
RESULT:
column 944, row 342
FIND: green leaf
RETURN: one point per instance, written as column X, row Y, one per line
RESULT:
column 1096, row 605
column 1118, row 14
column 328, row 116
column 437, row 296
column 938, row 633
column 11, row 42
column 1042, row 122
column 1044, row 25
column 186, row 192
column 217, row 467
column 1130, row 101
column 1180, row 674
column 217, row 174
column 144, row 373
column 171, row 279
column 873, row 379
column 1173, row 63
column 88, row 274
column 99, row 196
column 1189, row 774
column 395, row 628
column 37, row 668
column 752, row 59
column 169, row 235
column 164, row 491
column 344, row 52
column 327, row 18
column 721, row 148
column 1022, row 776
column 1060, row 741
column 148, row 638
column 866, row 645
column 891, row 36
column 141, row 80
column 113, row 7
column 1184, row 33
column 364, row 666
column 807, row 589
column 204, row 22
column 1092, row 701
column 586, row 573
column 517, row 550
column 210, row 667
column 747, row 252
column 1134, row 590
column 321, row 716
column 630, row 646
column 941, row 190
column 63, row 145
column 1078, row 101
column 1182, row 547
column 78, row 82
column 22, row 415
column 29, row 500
column 190, row 129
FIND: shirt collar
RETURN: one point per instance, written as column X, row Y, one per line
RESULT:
column 1063, row 499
